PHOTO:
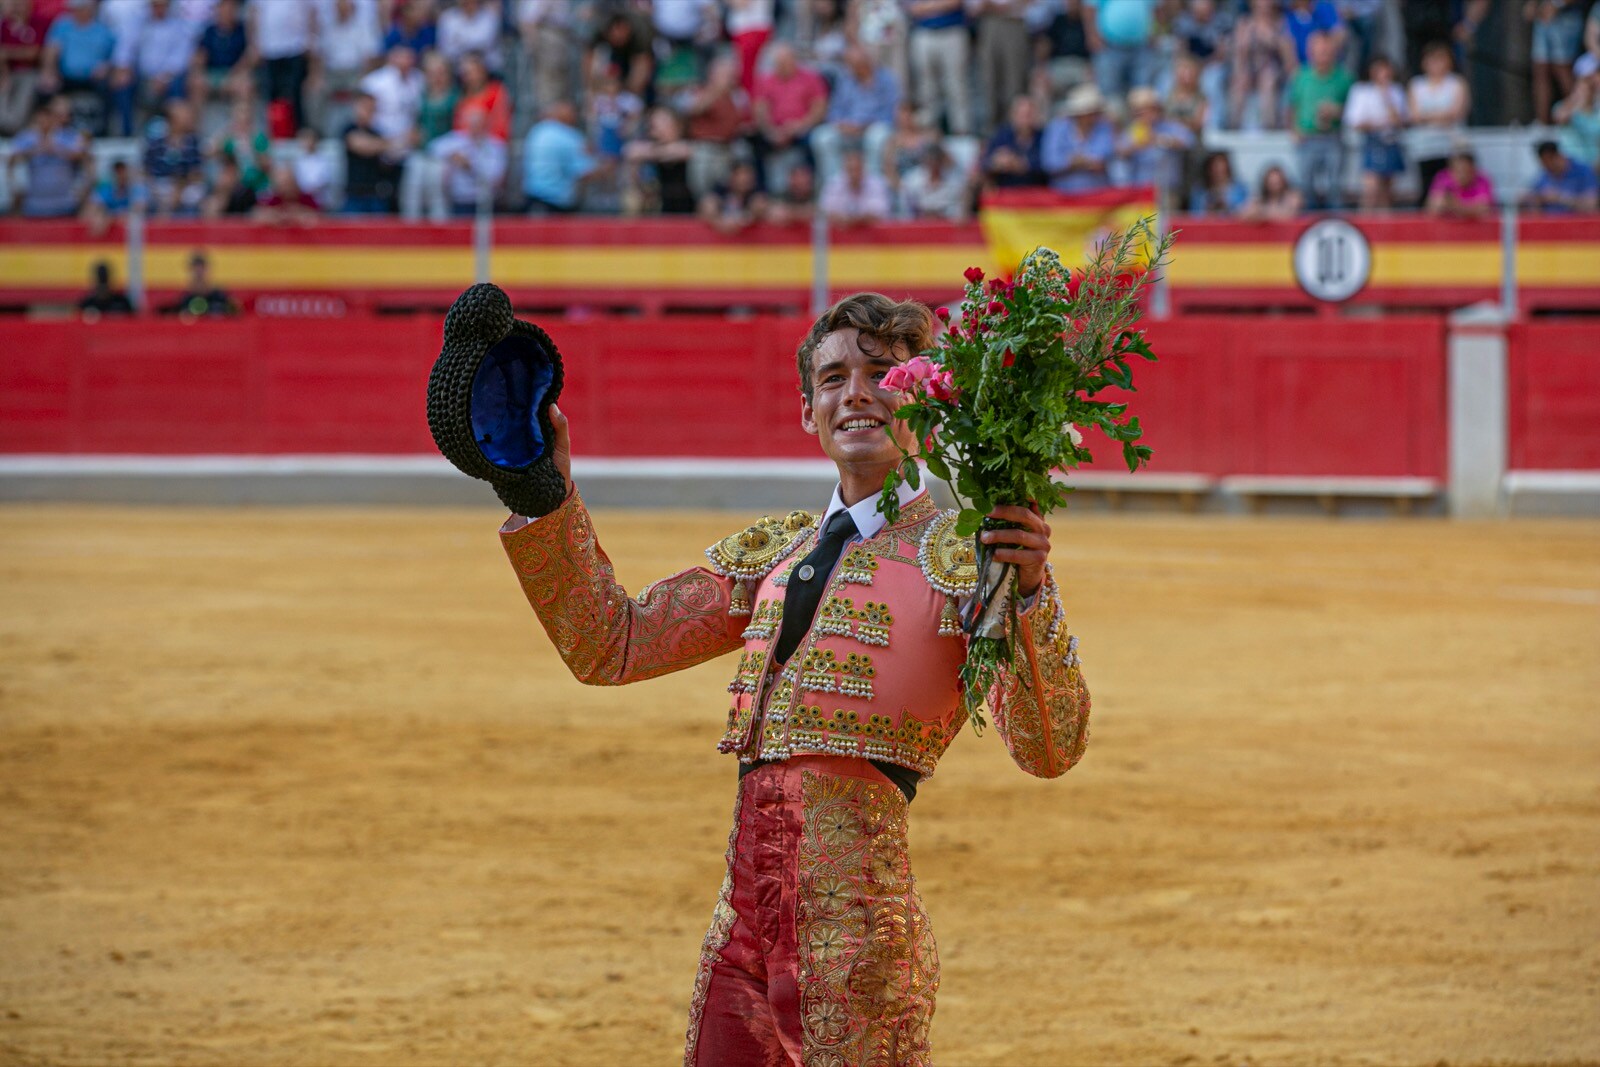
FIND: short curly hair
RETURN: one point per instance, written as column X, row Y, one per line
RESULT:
column 890, row 323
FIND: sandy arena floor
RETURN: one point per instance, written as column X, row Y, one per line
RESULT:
column 308, row 787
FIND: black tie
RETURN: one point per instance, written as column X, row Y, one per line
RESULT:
column 808, row 580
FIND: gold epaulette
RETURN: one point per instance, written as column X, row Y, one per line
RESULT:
column 950, row 563
column 749, row 555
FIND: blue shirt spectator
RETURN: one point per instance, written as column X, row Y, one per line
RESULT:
column 82, row 44
column 555, row 158
column 941, row 20
column 1077, row 148
column 54, row 156
column 862, row 102
column 1124, row 23
column 419, row 38
column 1564, row 185
column 159, row 46
column 1305, row 18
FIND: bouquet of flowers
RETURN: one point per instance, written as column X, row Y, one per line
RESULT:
column 1000, row 403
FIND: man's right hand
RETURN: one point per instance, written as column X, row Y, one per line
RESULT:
column 561, row 447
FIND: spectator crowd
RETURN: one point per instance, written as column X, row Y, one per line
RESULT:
column 741, row 111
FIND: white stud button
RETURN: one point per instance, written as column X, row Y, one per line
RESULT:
column 806, row 572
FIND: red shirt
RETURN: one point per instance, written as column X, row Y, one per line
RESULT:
column 27, row 37
column 789, row 101
column 492, row 99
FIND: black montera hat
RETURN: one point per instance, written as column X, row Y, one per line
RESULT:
column 489, row 400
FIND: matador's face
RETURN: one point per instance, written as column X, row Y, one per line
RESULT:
column 850, row 411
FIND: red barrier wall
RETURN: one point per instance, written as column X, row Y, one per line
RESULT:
column 1554, row 422
column 1230, row 396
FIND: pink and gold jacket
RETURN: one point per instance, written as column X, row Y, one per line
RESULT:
column 876, row 677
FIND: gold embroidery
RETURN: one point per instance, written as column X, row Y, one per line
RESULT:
column 717, row 934
column 764, row 621
column 823, row 672
column 949, row 562
column 750, row 554
column 858, row 567
column 915, row 743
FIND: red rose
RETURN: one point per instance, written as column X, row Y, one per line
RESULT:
column 974, row 275
column 982, row 327
column 943, row 313
column 995, row 307
column 997, row 285
column 1009, row 358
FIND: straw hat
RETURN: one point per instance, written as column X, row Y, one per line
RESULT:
column 1083, row 100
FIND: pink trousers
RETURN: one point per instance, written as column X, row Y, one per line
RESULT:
column 819, row 953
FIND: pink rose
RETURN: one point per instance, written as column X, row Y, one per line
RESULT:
column 942, row 386
column 904, row 377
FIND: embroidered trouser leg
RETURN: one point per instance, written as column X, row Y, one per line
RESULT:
column 819, row 951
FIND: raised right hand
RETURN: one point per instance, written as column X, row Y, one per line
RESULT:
column 561, row 447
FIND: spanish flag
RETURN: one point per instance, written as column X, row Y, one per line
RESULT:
column 1016, row 221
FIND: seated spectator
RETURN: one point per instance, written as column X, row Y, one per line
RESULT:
column 1459, row 191
column 555, row 161
column 1011, row 159
column 1153, row 147
column 907, row 144
column 1557, row 41
column 1076, row 148
column 221, row 63
column 1564, row 185
column 788, row 103
column 660, row 160
column 1307, row 18
column 77, row 56
column 281, row 35
column 1122, row 44
column 737, row 204
column 54, row 154
column 112, row 198
column 284, row 201
column 413, row 28
column 1186, row 102
column 1218, row 191
column 348, row 44
column 1437, row 103
column 548, row 28
column 103, row 298
column 370, row 169
column 1579, row 114
column 473, row 164
column 622, row 48
column 861, row 111
column 1317, row 96
column 1263, row 60
column 1277, row 200
column 229, row 197
column 396, row 91
column 855, row 196
column 936, row 189
column 1376, row 109
column 22, row 37
column 313, row 172
column 479, row 92
column 245, row 141
column 423, row 178
column 151, row 63
column 718, row 114
column 1199, row 95
column 200, row 297
column 796, row 204
column 471, row 27
column 173, row 163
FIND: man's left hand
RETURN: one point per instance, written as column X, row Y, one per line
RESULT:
column 1028, row 545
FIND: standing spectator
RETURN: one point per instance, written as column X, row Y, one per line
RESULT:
column 396, row 91
column 200, row 296
column 1011, row 159
column 547, row 34
column 173, row 163
column 749, row 26
column 1376, row 109
column 245, row 142
column 474, row 166
column 1316, row 100
column 1459, row 191
column 936, row 188
column 280, row 36
column 1003, row 55
column 684, row 32
column 229, row 196
column 413, row 28
column 789, row 101
column 861, row 111
column 614, row 116
column 1204, row 34
column 479, row 92
column 1362, row 19
column 855, row 196
column 1186, row 102
column 1218, row 191
column 423, row 176
column 1060, row 51
column 313, row 171
column 796, row 204
column 22, row 37
column 880, row 28
column 472, row 26
column 77, row 57
column 284, row 201
column 348, row 39
column 937, row 43
column 112, row 198
column 555, row 159
column 663, row 157
column 1263, row 60
column 1437, row 101
column 1121, row 43
column 370, row 173
column 737, row 205
column 103, row 298
column 1557, row 40
column 54, row 154
column 829, row 36
column 221, row 57
column 1153, row 148
column 1277, row 200
column 1077, row 147
column 718, row 113
column 1564, row 186
column 151, row 61
column 1305, row 18
column 622, row 47
column 1579, row 114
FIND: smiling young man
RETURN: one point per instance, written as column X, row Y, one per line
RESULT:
column 845, row 696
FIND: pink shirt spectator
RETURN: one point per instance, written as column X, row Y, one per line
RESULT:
column 791, row 99
column 1476, row 192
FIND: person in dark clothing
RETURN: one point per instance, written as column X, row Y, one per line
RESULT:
column 370, row 176
column 102, row 299
column 1011, row 159
column 200, row 297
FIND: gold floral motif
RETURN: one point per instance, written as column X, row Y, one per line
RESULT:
column 1041, row 707
column 822, row 671
column 751, row 553
column 859, row 566
column 764, row 621
column 949, row 562
column 915, row 743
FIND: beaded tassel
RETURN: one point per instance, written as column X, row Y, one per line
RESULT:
column 740, row 604
column 949, row 618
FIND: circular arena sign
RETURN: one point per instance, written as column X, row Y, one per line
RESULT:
column 1332, row 260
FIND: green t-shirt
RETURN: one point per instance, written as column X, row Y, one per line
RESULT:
column 1309, row 89
column 251, row 172
column 436, row 116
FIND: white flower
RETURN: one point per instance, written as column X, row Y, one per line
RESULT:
column 1072, row 432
